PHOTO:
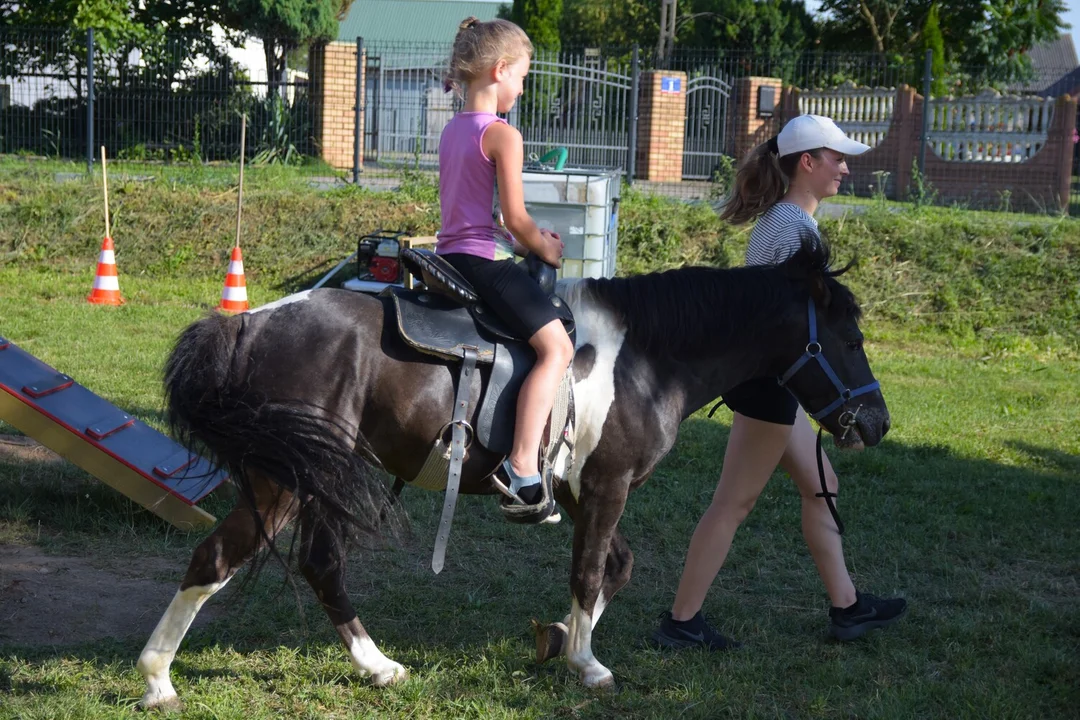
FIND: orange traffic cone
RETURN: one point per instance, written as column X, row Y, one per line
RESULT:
column 234, row 295
column 106, row 290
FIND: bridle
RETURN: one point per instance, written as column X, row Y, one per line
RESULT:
column 844, row 396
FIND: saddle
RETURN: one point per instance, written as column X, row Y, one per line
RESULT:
column 449, row 317
column 449, row 320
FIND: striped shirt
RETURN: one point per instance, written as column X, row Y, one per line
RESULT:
column 778, row 233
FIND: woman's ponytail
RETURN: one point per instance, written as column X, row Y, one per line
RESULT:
column 759, row 184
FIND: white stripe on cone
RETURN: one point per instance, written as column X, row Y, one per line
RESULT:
column 234, row 294
column 106, row 282
column 108, row 257
column 236, row 267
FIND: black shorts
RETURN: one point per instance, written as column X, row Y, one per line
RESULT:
column 508, row 289
column 763, row 399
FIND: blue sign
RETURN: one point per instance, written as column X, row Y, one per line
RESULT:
column 670, row 84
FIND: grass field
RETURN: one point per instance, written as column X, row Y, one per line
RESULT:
column 968, row 508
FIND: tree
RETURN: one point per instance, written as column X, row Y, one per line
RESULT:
column 613, row 23
column 932, row 40
column 51, row 34
column 772, row 27
column 988, row 37
column 283, row 25
column 540, row 20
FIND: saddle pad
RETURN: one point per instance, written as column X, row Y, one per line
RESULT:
column 437, row 325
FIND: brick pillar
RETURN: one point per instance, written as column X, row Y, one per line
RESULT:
column 333, row 87
column 750, row 130
column 907, row 123
column 1063, row 126
column 661, row 126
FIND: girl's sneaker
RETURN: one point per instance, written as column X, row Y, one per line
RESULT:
column 867, row 613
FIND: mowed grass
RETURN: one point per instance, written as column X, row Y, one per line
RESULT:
column 969, row 509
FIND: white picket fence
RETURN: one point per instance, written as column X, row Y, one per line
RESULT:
column 989, row 127
column 984, row 128
column 863, row 113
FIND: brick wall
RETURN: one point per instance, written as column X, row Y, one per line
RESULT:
column 1039, row 184
column 333, row 83
column 748, row 129
column 661, row 127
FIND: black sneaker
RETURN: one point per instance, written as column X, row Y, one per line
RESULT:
column 867, row 613
column 691, row 633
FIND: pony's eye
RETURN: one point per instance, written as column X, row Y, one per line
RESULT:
column 854, row 345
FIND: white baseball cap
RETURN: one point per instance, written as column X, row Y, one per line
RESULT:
column 809, row 132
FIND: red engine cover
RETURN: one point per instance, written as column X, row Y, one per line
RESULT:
column 384, row 269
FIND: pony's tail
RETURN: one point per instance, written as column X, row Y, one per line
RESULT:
column 298, row 447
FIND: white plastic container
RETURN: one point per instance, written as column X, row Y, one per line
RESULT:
column 582, row 206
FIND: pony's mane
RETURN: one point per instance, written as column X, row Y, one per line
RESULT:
column 693, row 311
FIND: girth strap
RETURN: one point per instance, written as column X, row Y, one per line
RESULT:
column 460, row 431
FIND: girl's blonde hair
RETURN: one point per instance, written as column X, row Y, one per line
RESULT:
column 761, row 181
column 479, row 46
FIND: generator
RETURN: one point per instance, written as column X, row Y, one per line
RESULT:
column 378, row 257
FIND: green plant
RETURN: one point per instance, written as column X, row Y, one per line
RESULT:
column 275, row 143
column 879, row 190
column 723, row 178
column 52, row 140
column 1005, row 200
column 920, row 190
column 196, row 141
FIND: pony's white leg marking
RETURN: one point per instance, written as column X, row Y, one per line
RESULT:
column 595, row 394
column 287, row 300
column 161, row 648
column 369, row 660
column 579, row 654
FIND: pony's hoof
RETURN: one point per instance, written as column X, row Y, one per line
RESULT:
column 157, row 703
column 598, row 680
column 550, row 640
column 390, row 676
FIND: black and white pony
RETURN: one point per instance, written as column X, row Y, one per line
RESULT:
column 299, row 398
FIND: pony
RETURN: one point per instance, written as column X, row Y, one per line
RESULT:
column 304, row 399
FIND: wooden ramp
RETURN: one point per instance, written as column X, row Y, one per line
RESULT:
column 124, row 453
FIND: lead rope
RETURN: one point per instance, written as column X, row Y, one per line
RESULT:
column 825, row 488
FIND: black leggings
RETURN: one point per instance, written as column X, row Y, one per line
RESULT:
column 509, row 290
column 763, row 399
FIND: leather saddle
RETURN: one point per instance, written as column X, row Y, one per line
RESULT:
column 448, row 319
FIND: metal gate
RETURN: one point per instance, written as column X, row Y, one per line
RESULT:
column 405, row 106
column 706, row 139
column 580, row 101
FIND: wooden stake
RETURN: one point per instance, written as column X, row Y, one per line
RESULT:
column 105, row 181
column 240, row 192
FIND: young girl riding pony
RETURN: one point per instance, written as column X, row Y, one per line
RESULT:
column 478, row 152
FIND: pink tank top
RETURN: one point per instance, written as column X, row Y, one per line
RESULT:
column 467, row 191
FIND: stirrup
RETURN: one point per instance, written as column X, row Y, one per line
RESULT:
column 516, row 511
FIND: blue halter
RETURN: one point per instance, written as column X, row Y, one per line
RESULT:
column 813, row 352
column 846, row 419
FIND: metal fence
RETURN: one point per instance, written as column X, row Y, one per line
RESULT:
column 181, row 99
column 61, row 96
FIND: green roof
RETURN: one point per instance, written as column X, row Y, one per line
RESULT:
column 413, row 21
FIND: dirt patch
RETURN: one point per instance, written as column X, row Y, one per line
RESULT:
column 19, row 448
column 55, row 600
